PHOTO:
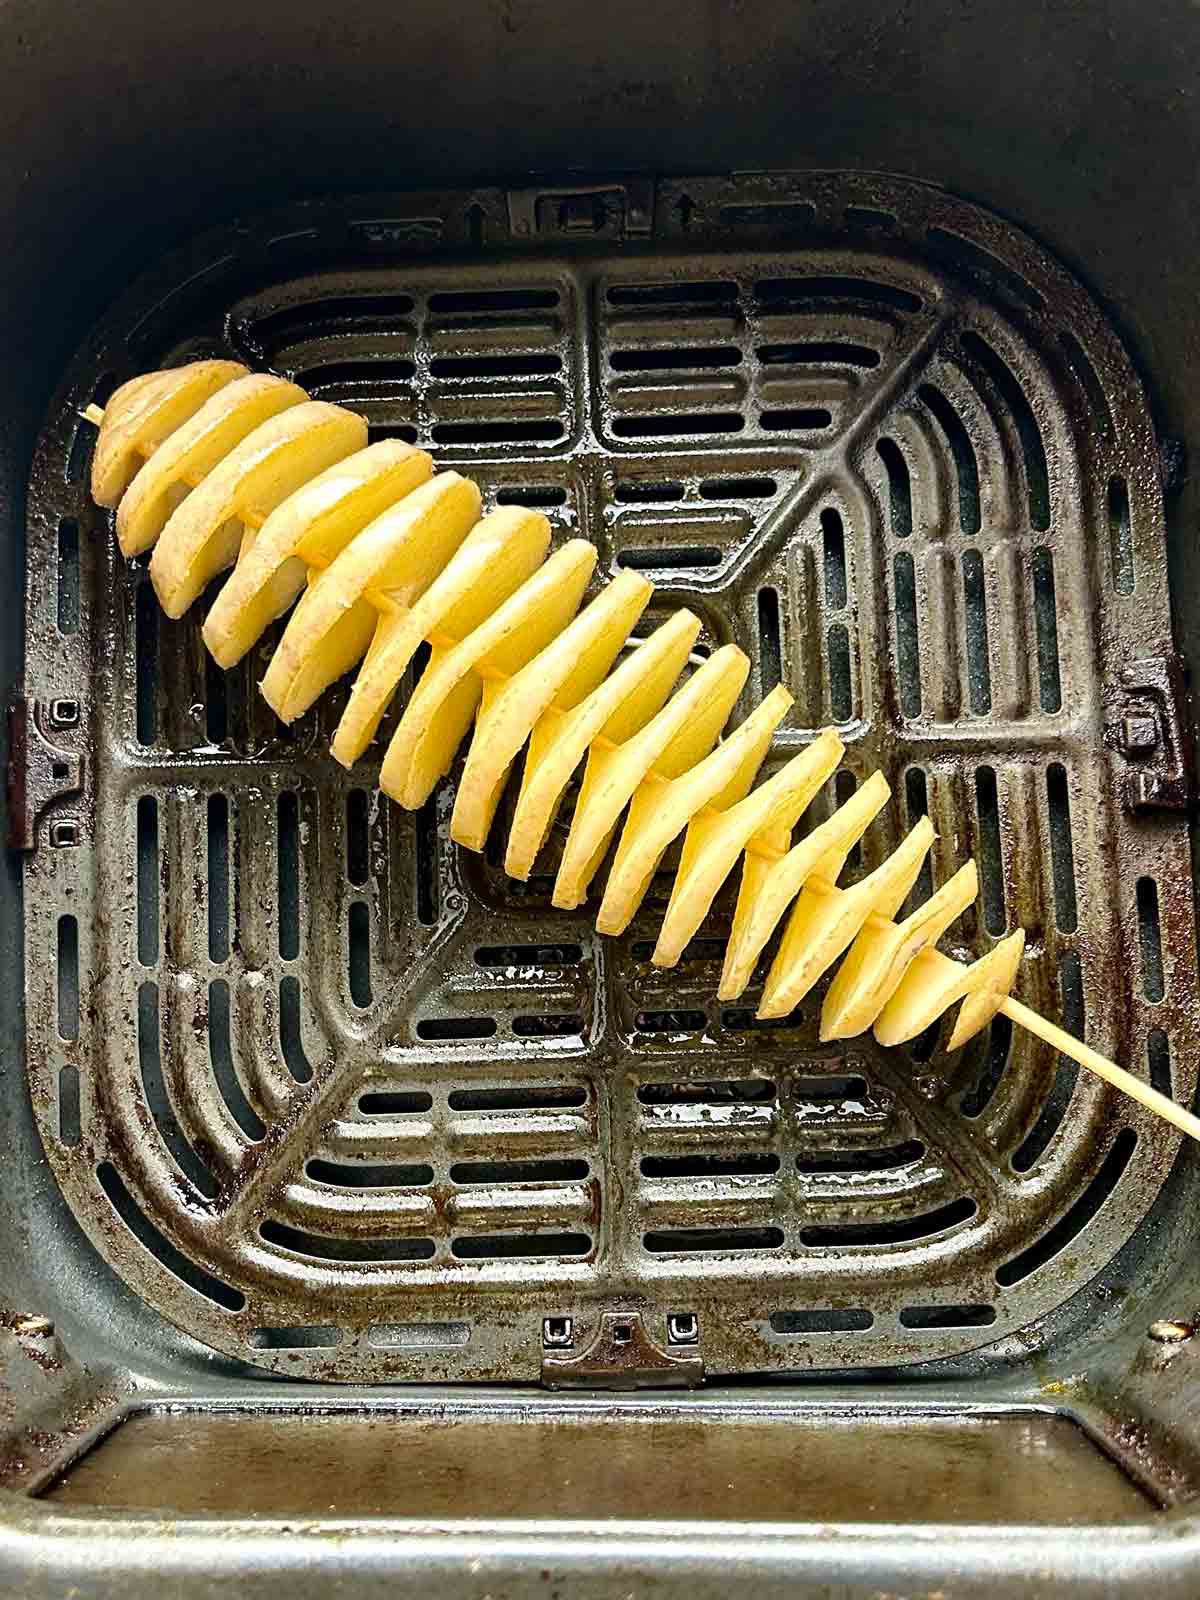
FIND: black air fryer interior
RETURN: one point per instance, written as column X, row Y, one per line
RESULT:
column 876, row 434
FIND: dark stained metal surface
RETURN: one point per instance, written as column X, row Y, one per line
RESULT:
column 335, row 1088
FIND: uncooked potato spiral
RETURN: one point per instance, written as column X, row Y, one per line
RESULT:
column 375, row 554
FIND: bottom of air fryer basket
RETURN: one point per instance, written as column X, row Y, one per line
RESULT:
column 341, row 1100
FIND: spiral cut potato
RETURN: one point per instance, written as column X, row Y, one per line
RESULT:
column 212, row 467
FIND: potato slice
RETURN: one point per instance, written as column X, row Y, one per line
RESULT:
column 681, row 734
column 194, row 449
column 883, row 952
column 500, row 552
column 562, row 674
column 826, row 919
column 313, row 525
column 717, row 837
column 617, row 709
column 205, row 533
column 660, row 810
column 144, row 412
column 440, row 711
column 770, row 883
column 388, row 566
column 934, row 982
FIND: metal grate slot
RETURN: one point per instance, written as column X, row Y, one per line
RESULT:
column 678, row 423
column 220, row 1056
column 1037, row 477
column 1120, row 533
column 991, row 852
column 979, row 667
column 304, row 1338
column 68, row 978
column 454, row 1028
column 146, row 662
column 218, row 878
column 321, row 1249
column 748, row 1163
column 682, row 1241
column 357, row 837
column 152, row 1238
column 747, row 488
column 70, row 1122
column 288, row 874
column 541, row 495
column 515, row 1246
column 1066, row 1072
column 650, row 493
column 150, row 1063
column 147, row 880
column 900, row 505
column 529, row 955
column 547, row 1027
column 1062, row 854
column 883, row 1159
column 1045, row 614
column 68, row 575
column 1150, row 938
column 776, row 295
column 358, row 952
column 899, row 1231
column 1158, row 1060
column 343, row 1175
column 291, row 1041
column 963, row 453
column 535, row 1097
column 947, row 1316
column 980, row 263
column 1069, row 1227
column 671, row 557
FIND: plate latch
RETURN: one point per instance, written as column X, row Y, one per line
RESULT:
column 1152, row 729
column 39, row 773
column 622, row 1356
column 621, row 209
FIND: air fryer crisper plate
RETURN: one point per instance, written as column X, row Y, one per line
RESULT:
column 341, row 1099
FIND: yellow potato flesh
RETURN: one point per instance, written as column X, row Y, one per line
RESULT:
column 144, row 412
column 883, row 952
column 560, row 675
column 205, row 534
column 934, row 982
column 770, row 884
column 311, row 527
column 440, row 711
column 395, row 557
column 660, row 810
column 681, row 734
column 718, row 835
column 617, row 709
column 497, row 556
column 825, row 919
column 193, row 450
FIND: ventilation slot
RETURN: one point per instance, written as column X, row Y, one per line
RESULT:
column 884, row 1159
column 821, row 1091
column 216, row 703
column 548, row 1027
column 964, row 457
column 782, row 294
column 1158, row 1059
column 1045, row 612
column 1150, row 940
column 1070, row 979
column 150, row 1064
column 934, row 1317
column 79, row 462
column 982, row 265
column 145, row 627
column 291, row 1039
column 70, row 1128
column 841, row 694
column 916, row 804
column 979, row 671
column 401, row 1104
column 696, row 950
column 144, row 1231
column 147, row 880
column 977, row 1098
column 671, row 558
column 442, row 1029
column 309, row 1338
column 795, row 419
column 357, row 837
column 312, row 1244
column 670, row 1021
column 358, row 953
column 866, row 217
column 740, row 1019
column 1033, row 450
column 503, row 366
column 288, row 868
column 821, row 354
column 529, row 955
column 1085, row 372
column 901, row 1230
column 1077, row 1218
column 1120, row 535
column 493, row 1172
column 427, row 862
column 908, row 650
column 844, row 786
column 218, row 878
column 991, row 854
column 526, row 430
column 658, row 294
column 220, row 1056
column 834, row 541
column 749, row 1164
column 791, row 1324
column 543, row 495
column 534, row 1097
column 267, row 334
column 678, row 422
column 684, row 358
column 647, row 493
column 1062, row 854
column 899, row 487
column 770, row 214
column 770, row 647
column 68, row 978
column 679, row 1241
column 471, row 300
column 744, row 1091
column 346, row 1175
column 737, row 488
column 510, row 1246
column 68, row 575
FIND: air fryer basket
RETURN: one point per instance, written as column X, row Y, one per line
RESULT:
column 308, row 1107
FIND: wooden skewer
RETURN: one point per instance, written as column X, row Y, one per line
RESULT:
column 1062, row 1041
